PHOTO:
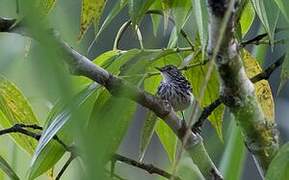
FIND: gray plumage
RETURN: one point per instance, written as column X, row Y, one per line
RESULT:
column 175, row 88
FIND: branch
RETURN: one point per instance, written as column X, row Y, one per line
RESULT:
column 82, row 66
column 19, row 128
column 65, row 166
column 147, row 167
column 264, row 75
column 205, row 114
column 257, row 39
column 237, row 91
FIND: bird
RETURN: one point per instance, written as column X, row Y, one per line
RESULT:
column 175, row 88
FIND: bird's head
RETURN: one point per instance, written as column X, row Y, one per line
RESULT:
column 169, row 72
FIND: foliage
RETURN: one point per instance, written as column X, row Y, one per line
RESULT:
column 96, row 123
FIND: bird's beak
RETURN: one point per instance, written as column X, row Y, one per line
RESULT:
column 159, row 69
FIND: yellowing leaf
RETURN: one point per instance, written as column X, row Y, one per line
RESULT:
column 90, row 12
column 262, row 88
column 14, row 108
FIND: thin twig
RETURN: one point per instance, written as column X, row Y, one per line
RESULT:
column 268, row 71
column 147, row 167
column 208, row 110
column 257, row 39
column 20, row 128
column 65, row 166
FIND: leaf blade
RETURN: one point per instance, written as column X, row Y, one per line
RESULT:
column 15, row 109
column 48, row 152
column 268, row 13
column 5, row 167
column 137, row 9
column 279, row 167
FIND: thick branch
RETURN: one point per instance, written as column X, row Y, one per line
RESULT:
column 82, row 66
column 237, row 91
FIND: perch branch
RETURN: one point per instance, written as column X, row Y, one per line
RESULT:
column 237, row 91
column 82, row 66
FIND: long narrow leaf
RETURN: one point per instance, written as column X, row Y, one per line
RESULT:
column 279, row 167
column 46, row 148
column 233, row 158
column 119, row 5
column 5, row 167
column 138, row 8
column 268, row 14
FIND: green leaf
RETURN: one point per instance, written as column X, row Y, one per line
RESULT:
column 279, row 167
column 187, row 170
column 114, row 63
column 137, row 9
column 167, row 138
column 268, row 14
column 15, row 109
column 105, row 57
column 284, row 8
column 91, row 11
column 284, row 73
column 234, row 155
column 119, row 5
column 46, row 159
column 147, row 133
column 173, row 38
column 201, row 16
column 156, row 18
column 48, row 151
column 150, row 85
column 196, row 77
column 108, row 124
column 247, row 18
column 180, row 12
column 5, row 167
